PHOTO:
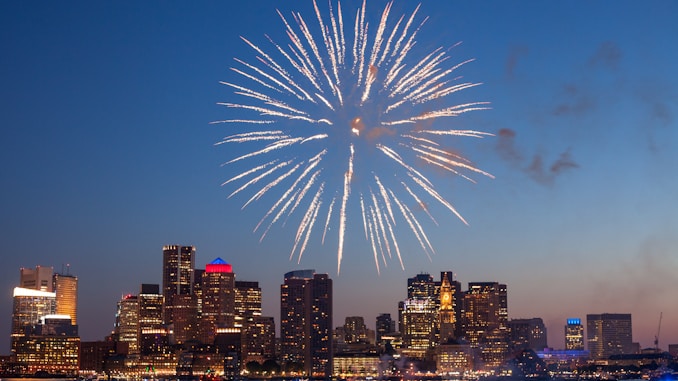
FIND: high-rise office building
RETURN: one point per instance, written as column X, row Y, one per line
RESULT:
column 384, row 326
column 66, row 288
column 30, row 305
column 178, row 263
column 306, row 321
column 52, row 345
column 485, row 309
column 418, row 315
column 574, row 335
column 218, row 299
column 39, row 278
column 126, row 328
column 247, row 317
column 527, row 334
column 153, row 336
column 421, row 286
column 485, row 318
column 609, row 334
column 419, row 318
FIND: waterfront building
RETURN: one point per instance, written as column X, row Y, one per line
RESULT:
column 454, row 358
column 357, row 365
column 574, row 335
column 609, row 334
column 218, row 299
column 93, row 355
column 306, row 321
column 527, row 334
column 66, row 288
column 153, row 337
column 29, row 306
column 258, row 332
column 178, row 263
column 126, row 329
column 50, row 346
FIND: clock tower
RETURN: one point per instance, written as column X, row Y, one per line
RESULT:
column 446, row 314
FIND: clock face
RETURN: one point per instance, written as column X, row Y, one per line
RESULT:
column 446, row 297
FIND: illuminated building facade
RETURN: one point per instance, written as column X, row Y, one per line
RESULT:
column 453, row 358
column 66, row 289
column 30, row 305
column 127, row 325
column 50, row 346
column 355, row 330
column 178, row 263
column 485, row 321
column 153, row 336
column 258, row 333
column 384, row 326
column 447, row 318
column 218, row 299
column 306, row 321
column 574, row 335
column 358, row 365
column 527, row 334
column 419, row 322
column 609, row 334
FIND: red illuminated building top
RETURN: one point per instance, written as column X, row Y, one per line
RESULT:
column 218, row 266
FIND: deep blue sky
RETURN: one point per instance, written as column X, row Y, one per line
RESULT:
column 108, row 155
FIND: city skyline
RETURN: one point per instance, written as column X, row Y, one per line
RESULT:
column 109, row 155
column 419, row 286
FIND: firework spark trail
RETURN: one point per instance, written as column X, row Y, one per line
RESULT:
column 419, row 202
column 327, row 221
column 342, row 214
column 406, row 215
column 249, row 172
column 307, row 223
column 363, row 118
column 256, row 179
column 380, row 225
column 314, row 161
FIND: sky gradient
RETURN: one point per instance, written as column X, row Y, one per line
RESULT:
column 108, row 155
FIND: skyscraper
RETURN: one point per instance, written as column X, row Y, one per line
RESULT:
column 30, row 305
column 127, row 325
column 485, row 319
column 306, row 321
column 574, row 335
column 178, row 263
column 152, row 334
column 418, row 315
column 218, row 299
column 66, row 289
column 384, row 326
column 609, row 334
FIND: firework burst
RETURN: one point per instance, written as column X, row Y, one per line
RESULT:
column 354, row 121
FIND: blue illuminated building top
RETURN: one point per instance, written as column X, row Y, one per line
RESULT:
column 573, row 321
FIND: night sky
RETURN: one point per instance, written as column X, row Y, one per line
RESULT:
column 108, row 154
